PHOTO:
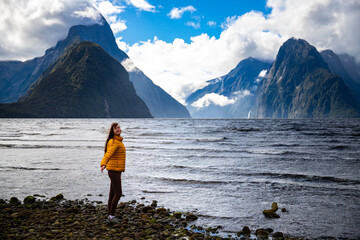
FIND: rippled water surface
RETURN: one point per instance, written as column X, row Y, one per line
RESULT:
column 227, row 171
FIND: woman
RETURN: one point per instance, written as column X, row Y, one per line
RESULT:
column 114, row 162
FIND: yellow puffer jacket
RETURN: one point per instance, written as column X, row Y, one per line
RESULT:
column 114, row 158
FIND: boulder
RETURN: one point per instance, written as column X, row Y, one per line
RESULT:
column 29, row 200
column 191, row 217
column 262, row 233
column 57, row 198
column 245, row 231
column 161, row 210
column 274, row 206
column 270, row 214
column 14, row 200
column 154, row 204
column 278, row 235
column 147, row 209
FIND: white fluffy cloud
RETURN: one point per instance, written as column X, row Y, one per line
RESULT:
column 180, row 67
column 142, row 5
column 195, row 25
column 323, row 23
column 177, row 13
column 25, row 25
column 219, row 100
column 110, row 12
column 212, row 98
column 211, row 23
column 108, row 9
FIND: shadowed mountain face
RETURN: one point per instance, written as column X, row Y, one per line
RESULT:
column 336, row 66
column 16, row 78
column 86, row 82
column 300, row 85
column 352, row 68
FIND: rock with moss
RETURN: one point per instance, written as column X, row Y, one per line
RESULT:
column 274, row 206
column 245, row 231
column 29, row 200
column 270, row 214
column 191, row 217
column 177, row 214
column 14, row 200
column 262, row 233
column 77, row 219
column 58, row 197
column 278, row 235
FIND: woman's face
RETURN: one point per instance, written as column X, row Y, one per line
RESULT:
column 117, row 130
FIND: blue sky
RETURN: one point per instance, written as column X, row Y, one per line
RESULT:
column 207, row 18
column 180, row 44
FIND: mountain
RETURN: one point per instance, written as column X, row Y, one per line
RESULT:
column 17, row 77
column 352, row 68
column 239, row 87
column 336, row 66
column 299, row 84
column 85, row 82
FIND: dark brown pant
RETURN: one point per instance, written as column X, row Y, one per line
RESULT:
column 115, row 191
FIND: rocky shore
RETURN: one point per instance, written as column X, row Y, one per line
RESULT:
column 58, row 218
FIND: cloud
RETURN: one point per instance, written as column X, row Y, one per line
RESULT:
column 88, row 12
column 118, row 26
column 192, row 24
column 142, row 5
column 29, row 27
column 108, row 9
column 42, row 23
column 212, row 98
column 211, row 23
column 218, row 99
column 177, row 66
column 180, row 67
column 262, row 74
column 323, row 23
column 176, row 13
column 110, row 12
column 129, row 65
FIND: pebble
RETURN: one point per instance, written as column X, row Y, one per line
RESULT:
column 76, row 219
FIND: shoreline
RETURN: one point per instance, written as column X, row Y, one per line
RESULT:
column 35, row 218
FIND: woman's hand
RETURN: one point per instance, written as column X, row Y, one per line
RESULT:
column 102, row 168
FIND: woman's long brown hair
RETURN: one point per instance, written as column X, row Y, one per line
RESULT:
column 111, row 134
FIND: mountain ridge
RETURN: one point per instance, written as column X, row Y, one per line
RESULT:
column 238, row 86
column 15, row 84
column 298, row 84
column 85, row 82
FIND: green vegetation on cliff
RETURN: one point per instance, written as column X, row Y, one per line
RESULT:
column 85, row 82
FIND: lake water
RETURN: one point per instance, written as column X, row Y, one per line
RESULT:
column 226, row 171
